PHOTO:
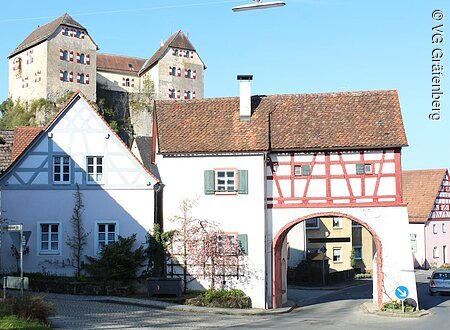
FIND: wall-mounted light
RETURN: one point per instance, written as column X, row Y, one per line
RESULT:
column 50, row 135
column 259, row 5
column 107, row 136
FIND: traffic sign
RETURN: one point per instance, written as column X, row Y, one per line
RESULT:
column 402, row 292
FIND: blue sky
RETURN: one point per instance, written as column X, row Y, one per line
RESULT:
column 305, row 47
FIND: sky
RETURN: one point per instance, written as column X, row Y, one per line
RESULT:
column 307, row 46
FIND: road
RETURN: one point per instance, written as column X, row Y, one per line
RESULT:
column 338, row 309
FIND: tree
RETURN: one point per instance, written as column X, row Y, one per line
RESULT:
column 78, row 240
column 156, row 252
column 15, row 114
column 118, row 261
column 205, row 249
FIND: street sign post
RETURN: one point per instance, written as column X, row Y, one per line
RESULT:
column 20, row 240
column 402, row 292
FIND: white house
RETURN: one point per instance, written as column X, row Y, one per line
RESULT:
column 260, row 165
column 76, row 148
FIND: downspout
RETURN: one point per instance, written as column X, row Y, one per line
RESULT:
column 266, row 227
column 158, row 202
column 426, row 264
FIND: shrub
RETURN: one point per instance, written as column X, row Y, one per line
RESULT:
column 118, row 261
column 363, row 275
column 28, row 307
column 14, row 322
column 221, row 298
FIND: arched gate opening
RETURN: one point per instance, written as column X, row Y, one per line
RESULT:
column 279, row 275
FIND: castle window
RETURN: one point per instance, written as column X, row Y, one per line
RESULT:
column 78, row 34
column 174, row 71
column 127, row 82
column 65, row 56
column 186, row 54
column 82, row 58
column 65, row 76
column 82, row 78
column 172, row 93
column 175, row 52
column 189, row 74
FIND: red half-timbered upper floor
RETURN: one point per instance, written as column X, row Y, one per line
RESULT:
column 334, row 179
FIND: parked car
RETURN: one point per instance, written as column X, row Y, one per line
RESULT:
column 439, row 282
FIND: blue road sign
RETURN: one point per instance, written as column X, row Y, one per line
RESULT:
column 402, row 292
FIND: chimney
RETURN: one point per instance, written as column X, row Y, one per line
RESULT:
column 245, row 102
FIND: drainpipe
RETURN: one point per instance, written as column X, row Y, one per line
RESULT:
column 266, row 234
column 426, row 264
column 158, row 205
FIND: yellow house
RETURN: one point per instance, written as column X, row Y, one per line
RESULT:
column 340, row 236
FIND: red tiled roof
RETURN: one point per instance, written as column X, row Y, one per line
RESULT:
column 119, row 63
column 6, row 142
column 43, row 32
column 176, row 40
column 420, row 189
column 23, row 136
column 282, row 122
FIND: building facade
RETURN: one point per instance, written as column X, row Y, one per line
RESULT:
column 263, row 165
column 56, row 58
column 427, row 193
column 76, row 150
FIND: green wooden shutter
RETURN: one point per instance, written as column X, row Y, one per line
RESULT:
column 209, row 182
column 306, row 169
column 243, row 182
column 243, row 243
column 360, row 168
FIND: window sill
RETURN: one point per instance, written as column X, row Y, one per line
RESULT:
column 49, row 253
column 338, row 262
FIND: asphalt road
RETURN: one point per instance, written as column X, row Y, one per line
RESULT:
column 324, row 309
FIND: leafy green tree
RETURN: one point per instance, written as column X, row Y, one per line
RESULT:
column 118, row 261
column 15, row 114
column 156, row 252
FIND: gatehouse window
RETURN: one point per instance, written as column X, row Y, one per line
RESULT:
column 444, row 228
column 434, row 228
column 435, row 252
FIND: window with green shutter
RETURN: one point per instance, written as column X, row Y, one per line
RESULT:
column 209, row 182
column 306, row 169
column 359, row 168
column 243, row 243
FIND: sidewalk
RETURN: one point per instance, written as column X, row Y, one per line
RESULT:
column 174, row 307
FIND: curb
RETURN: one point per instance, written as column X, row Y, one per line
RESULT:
column 368, row 307
column 195, row 309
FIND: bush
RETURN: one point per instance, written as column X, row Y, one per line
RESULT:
column 118, row 261
column 28, row 307
column 363, row 275
column 13, row 322
column 221, row 298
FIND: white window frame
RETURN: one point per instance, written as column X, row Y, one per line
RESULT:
column 339, row 222
column 317, row 226
column 435, row 252
column 413, row 239
column 226, row 185
column 340, row 255
column 95, row 168
column 96, row 238
column 361, row 252
column 48, row 251
column 368, row 168
column 61, row 171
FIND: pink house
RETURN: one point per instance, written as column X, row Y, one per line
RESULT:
column 427, row 193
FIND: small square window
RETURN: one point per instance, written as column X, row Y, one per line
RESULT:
column 302, row 170
column 61, row 169
column 226, row 181
column 337, row 222
column 362, row 168
column 337, row 254
column 312, row 223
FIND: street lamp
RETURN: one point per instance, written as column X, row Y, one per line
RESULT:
column 259, row 5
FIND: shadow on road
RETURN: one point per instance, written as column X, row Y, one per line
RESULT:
column 427, row 301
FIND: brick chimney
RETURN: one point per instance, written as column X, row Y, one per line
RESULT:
column 245, row 102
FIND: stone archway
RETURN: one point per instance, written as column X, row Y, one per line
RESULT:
column 277, row 281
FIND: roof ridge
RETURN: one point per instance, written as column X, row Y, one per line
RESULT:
column 127, row 56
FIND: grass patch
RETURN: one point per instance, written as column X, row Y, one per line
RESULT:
column 14, row 322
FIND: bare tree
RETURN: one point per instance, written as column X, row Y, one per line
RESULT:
column 78, row 240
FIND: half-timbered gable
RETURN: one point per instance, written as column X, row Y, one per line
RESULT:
column 77, row 150
column 427, row 193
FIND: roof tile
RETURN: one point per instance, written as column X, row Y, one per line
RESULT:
column 118, row 63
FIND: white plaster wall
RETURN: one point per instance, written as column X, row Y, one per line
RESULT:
column 296, row 240
column 132, row 209
column 418, row 230
column 183, row 178
column 391, row 225
column 114, row 81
